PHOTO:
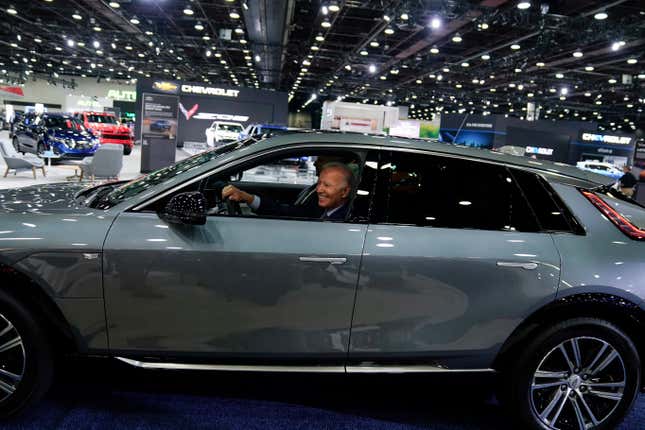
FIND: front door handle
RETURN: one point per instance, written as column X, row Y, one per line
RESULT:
column 527, row 266
column 330, row 260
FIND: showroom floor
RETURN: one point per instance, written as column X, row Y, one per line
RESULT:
column 60, row 171
column 102, row 394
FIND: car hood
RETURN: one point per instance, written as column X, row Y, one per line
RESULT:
column 74, row 135
column 45, row 198
column 109, row 128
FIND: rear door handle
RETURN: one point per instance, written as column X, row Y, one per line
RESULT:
column 330, row 260
column 527, row 266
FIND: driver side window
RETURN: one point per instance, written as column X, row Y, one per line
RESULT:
column 284, row 186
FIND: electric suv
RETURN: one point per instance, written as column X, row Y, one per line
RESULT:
column 450, row 259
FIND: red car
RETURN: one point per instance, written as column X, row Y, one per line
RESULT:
column 108, row 129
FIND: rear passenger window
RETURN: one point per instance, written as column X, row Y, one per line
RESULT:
column 550, row 211
column 447, row 192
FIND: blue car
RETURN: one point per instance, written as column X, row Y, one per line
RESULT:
column 160, row 125
column 63, row 135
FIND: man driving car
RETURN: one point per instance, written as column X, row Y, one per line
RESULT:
column 333, row 190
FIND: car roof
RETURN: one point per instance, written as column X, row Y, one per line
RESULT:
column 552, row 168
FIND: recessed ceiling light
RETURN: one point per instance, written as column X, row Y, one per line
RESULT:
column 364, row 52
column 188, row 10
column 540, row 64
column 239, row 30
column 457, row 38
column 559, row 75
column 37, row 40
column 485, row 57
column 199, row 26
column 434, row 50
column 333, row 7
column 97, row 28
column 77, row 16
column 524, row 5
column 388, row 30
column 320, row 37
column 325, row 23
column 578, row 54
column 134, row 20
column 515, row 46
column 435, row 23
column 465, row 64
column 70, row 43
column 632, row 61
column 234, row 15
column 612, row 81
column 374, row 44
column 315, row 48
column 589, row 68
column 601, row 15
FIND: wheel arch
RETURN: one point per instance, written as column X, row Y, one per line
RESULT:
column 32, row 296
column 624, row 313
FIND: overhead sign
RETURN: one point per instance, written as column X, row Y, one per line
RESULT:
column 208, row 91
column 165, row 87
column 122, row 95
column 605, row 138
column 539, row 150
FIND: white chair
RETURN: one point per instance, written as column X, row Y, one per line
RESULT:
column 106, row 163
column 16, row 161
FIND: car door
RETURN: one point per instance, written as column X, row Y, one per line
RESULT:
column 454, row 260
column 237, row 286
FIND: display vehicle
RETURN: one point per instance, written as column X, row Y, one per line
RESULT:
column 222, row 132
column 449, row 260
column 162, row 125
column 62, row 134
column 108, row 129
column 600, row 167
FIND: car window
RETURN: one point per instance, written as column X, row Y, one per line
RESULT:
column 285, row 184
column 437, row 191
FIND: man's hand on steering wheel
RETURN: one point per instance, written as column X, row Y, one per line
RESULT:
column 232, row 196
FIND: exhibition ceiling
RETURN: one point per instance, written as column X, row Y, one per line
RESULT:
column 576, row 59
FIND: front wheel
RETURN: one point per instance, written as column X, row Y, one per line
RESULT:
column 580, row 374
column 26, row 359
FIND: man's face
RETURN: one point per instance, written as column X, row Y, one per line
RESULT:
column 332, row 188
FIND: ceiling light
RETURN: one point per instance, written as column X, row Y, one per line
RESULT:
column 601, row 15
column 77, row 16
column 564, row 91
column 632, row 61
column 612, row 81
column 37, row 40
column 578, row 54
column 320, row 37
column 515, row 47
column 389, row 30
column 485, row 57
column 209, row 53
column 457, row 38
column 524, row 5
column 12, row 10
column 364, row 52
column 134, row 20
column 484, row 26
column 199, row 26
column 348, row 67
column 70, row 43
column 239, row 30
column 257, row 58
column 325, row 23
column 540, row 64
column 315, row 48
column 615, row 46
column 114, row 4
column 372, row 68
column 96, row 44
column 128, row 47
column 465, row 64
column 188, row 10
column 374, row 44
column 405, row 16
column 243, row 41
column 435, row 23
column 589, row 68
column 333, row 7
column 97, row 28
column 434, row 50
column 559, row 75
column 234, row 15
column 81, row 44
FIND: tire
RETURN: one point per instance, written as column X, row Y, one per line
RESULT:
column 27, row 353
column 127, row 150
column 568, row 390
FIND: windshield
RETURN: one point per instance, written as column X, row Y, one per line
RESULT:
column 63, row 123
column 101, row 119
column 143, row 183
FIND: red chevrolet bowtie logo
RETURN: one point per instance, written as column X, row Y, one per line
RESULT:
column 188, row 113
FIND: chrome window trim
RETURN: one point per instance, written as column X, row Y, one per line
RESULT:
column 339, row 145
column 385, row 369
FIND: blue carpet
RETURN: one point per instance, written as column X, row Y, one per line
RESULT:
column 126, row 399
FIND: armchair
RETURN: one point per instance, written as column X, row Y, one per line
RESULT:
column 16, row 161
column 106, row 162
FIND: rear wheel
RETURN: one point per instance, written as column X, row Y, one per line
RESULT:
column 580, row 374
column 26, row 359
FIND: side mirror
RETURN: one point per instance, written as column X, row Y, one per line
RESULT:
column 185, row 208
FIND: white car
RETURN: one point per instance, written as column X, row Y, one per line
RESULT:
column 222, row 131
column 601, row 167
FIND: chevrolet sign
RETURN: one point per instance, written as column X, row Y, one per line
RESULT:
column 605, row 138
column 208, row 91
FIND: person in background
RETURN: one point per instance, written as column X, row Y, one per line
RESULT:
column 627, row 182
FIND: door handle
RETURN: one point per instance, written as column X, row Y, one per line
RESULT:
column 527, row 266
column 330, row 260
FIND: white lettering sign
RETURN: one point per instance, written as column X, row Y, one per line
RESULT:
column 606, row 138
column 122, row 95
column 539, row 150
column 221, row 116
column 209, row 91
column 478, row 125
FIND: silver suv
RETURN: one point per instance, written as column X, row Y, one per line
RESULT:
column 449, row 259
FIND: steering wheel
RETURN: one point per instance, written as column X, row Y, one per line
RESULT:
column 233, row 208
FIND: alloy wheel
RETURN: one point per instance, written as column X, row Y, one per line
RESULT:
column 578, row 384
column 12, row 358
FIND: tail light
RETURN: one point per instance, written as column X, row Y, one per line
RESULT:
column 617, row 219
